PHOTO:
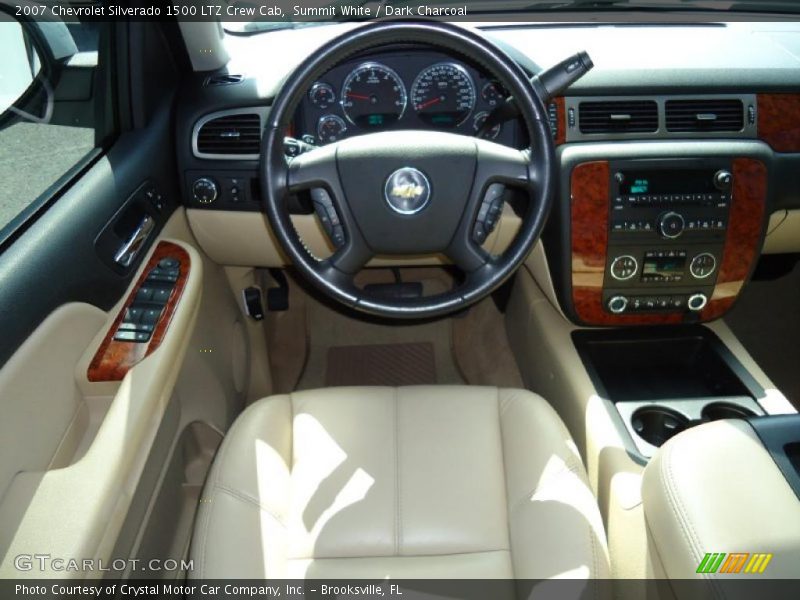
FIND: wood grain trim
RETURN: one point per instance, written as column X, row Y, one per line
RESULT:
column 744, row 237
column 561, row 121
column 779, row 121
column 113, row 358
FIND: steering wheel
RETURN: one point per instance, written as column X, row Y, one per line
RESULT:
column 409, row 192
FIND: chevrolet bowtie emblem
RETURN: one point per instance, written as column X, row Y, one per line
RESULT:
column 407, row 191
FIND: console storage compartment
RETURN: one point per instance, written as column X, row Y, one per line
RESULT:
column 665, row 380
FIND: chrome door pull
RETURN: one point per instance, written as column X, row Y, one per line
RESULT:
column 131, row 248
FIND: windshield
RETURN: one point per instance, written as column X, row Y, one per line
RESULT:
column 289, row 15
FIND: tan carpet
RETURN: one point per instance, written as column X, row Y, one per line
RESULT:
column 315, row 344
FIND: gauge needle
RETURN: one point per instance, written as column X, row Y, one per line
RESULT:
column 429, row 103
column 358, row 96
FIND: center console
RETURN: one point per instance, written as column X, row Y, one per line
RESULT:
column 659, row 241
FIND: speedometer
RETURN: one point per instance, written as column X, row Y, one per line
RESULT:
column 443, row 95
column 373, row 96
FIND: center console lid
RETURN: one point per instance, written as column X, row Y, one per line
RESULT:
column 717, row 504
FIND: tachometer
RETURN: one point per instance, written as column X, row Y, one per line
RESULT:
column 443, row 95
column 373, row 96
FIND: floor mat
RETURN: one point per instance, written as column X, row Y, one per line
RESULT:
column 381, row 364
column 329, row 327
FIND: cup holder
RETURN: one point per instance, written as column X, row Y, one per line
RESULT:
column 725, row 410
column 656, row 424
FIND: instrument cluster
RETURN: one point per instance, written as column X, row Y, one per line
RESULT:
column 401, row 90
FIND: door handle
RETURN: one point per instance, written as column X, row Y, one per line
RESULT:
column 134, row 244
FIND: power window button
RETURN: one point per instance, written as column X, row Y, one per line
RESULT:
column 150, row 316
column 161, row 295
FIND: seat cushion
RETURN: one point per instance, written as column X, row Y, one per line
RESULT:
column 412, row 482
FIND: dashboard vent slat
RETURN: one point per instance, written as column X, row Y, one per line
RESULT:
column 704, row 115
column 223, row 79
column 233, row 134
column 618, row 116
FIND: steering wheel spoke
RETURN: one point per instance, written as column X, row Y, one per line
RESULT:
column 467, row 255
column 352, row 257
column 315, row 169
column 500, row 164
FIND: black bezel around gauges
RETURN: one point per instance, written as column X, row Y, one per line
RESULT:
column 400, row 89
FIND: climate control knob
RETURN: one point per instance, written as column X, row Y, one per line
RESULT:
column 617, row 304
column 671, row 224
column 204, row 190
column 624, row 267
column 703, row 265
column 697, row 302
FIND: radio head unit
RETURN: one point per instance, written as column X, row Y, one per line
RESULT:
column 667, row 225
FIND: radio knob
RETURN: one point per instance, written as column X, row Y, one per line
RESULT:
column 617, row 304
column 722, row 180
column 697, row 302
column 671, row 224
column 204, row 190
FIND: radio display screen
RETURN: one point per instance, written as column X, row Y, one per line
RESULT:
column 667, row 181
column 663, row 268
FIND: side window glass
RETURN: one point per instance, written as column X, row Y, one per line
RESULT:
column 51, row 107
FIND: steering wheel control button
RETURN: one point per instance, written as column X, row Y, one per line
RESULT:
column 489, row 212
column 703, row 265
column 624, row 267
column 205, row 190
column 407, row 191
column 697, row 302
column 328, row 217
column 618, row 304
column 671, row 225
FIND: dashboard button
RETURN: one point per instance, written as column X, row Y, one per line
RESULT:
column 618, row 304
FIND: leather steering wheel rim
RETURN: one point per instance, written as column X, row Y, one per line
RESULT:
column 533, row 170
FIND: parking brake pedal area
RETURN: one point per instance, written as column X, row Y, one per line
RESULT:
column 151, row 298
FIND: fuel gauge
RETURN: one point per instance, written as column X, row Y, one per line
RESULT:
column 330, row 128
column 322, row 95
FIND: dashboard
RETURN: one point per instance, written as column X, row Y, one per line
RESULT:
column 671, row 161
column 407, row 89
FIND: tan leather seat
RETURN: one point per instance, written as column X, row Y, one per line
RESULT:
column 414, row 482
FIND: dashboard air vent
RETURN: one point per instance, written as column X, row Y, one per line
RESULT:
column 618, row 116
column 223, row 79
column 705, row 115
column 231, row 134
